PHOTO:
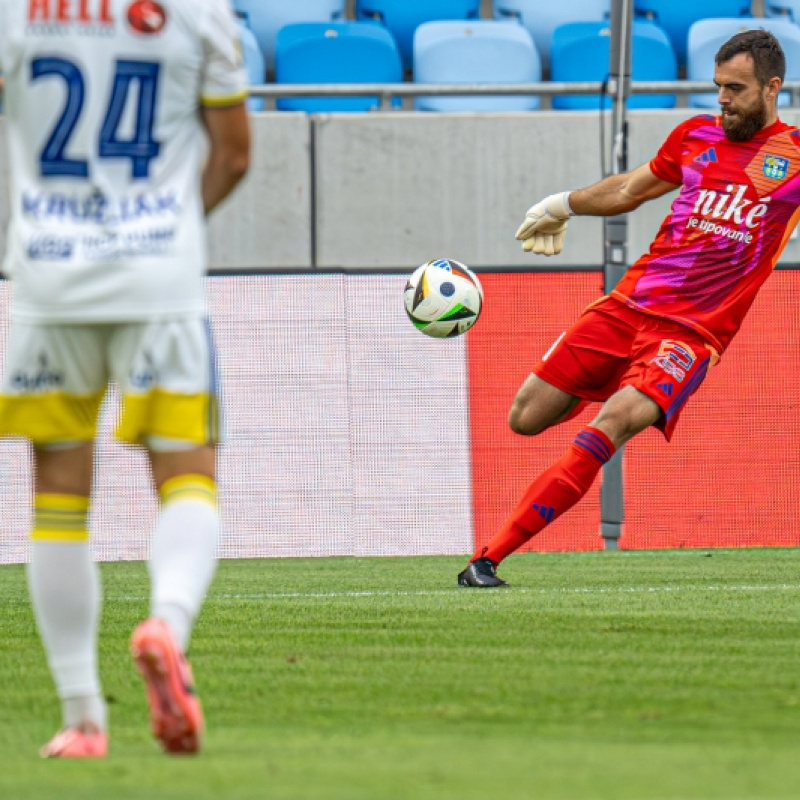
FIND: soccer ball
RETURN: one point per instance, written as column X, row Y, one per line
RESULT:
column 443, row 298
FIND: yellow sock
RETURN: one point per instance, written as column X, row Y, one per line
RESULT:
column 60, row 518
column 189, row 487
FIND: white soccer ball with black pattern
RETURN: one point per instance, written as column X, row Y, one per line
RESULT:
column 443, row 298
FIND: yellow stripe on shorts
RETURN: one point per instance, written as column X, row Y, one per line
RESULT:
column 60, row 518
column 52, row 417
column 189, row 417
column 189, row 487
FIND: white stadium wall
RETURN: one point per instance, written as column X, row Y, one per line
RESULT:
column 389, row 190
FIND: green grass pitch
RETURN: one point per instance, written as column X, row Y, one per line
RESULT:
column 598, row 676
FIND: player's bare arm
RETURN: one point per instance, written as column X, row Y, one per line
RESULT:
column 619, row 194
column 228, row 130
column 544, row 227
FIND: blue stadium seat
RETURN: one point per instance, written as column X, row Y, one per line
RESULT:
column 542, row 17
column 581, row 51
column 706, row 36
column 783, row 8
column 253, row 62
column 481, row 51
column 337, row 52
column 402, row 17
column 266, row 17
column 677, row 16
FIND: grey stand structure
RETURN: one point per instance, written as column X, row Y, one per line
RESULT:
column 616, row 236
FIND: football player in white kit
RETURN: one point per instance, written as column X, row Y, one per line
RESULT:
column 126, row 125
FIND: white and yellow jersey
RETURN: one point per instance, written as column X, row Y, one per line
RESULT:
column 106, row 150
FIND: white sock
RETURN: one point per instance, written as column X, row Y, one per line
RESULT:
column 64, row 585
column 182, row 562
column 78, row 711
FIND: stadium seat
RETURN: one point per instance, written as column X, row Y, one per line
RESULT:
column 581, row 51
column 542, row 17
column 677, row 16
column 337, row 52
column 482, row 51
column 706, row 36
column 266, row 17
column 401, row 17
column 783, row 8
column 253, row 62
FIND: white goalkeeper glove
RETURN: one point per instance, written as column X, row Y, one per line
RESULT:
column 545, row 225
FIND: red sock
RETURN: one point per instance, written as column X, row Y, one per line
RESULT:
column 555, row 491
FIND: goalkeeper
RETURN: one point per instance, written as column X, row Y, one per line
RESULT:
column 645, row 349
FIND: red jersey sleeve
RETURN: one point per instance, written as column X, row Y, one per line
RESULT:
column 666, row 164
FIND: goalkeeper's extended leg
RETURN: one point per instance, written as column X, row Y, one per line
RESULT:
column 559, row 487
column 555, row 491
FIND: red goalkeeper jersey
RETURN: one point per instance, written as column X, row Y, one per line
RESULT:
column 737, row 205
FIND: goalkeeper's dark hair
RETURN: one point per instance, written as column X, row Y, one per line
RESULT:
column 766, row 51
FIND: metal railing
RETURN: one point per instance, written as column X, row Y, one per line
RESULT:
column 387, row 92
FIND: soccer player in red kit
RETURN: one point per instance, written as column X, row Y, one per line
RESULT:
column 645, row 348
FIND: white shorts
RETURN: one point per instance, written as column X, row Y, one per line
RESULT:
column 56, row 377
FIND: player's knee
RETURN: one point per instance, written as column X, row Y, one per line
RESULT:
column 524, row 421
column 627, row 416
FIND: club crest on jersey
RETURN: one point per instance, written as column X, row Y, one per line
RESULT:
column 146, row 17
column 775, row 167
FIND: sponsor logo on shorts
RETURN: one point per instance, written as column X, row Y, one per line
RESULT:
column 666, row 388
column 675, row 358
column 143, row 376
column 43, row 377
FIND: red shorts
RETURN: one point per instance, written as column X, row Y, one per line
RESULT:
column 612, row 345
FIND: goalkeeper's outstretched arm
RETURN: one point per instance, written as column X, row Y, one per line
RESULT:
column 545, row 224
column 618, row 194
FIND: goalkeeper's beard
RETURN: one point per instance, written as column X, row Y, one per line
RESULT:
column 742, row 126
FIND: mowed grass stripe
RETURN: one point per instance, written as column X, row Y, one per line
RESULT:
column 214, row 596
column 604, row 676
